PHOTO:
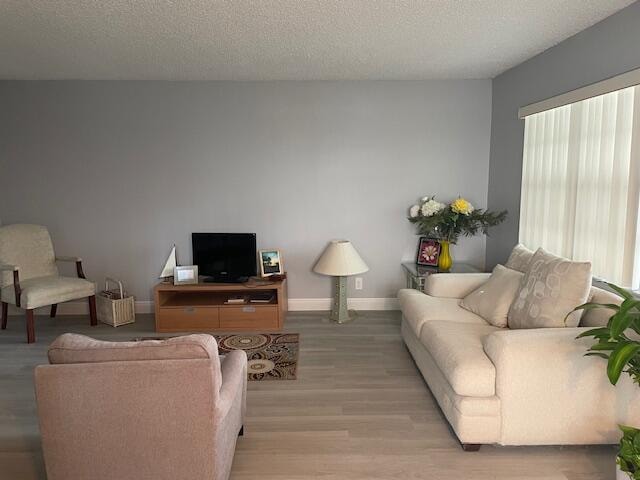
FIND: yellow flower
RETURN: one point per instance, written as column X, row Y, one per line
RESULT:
column 460, row 205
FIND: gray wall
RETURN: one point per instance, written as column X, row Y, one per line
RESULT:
column 606, row 49
column 121, row 170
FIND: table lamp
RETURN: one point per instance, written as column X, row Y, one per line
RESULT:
column 340, row 260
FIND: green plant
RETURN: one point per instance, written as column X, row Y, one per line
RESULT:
column 623, row 355
column 613, row 343
column 449, row 221
column 629, row 453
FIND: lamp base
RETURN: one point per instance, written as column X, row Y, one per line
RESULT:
column 339, row 311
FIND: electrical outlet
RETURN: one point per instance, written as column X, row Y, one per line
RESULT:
column 358, row 283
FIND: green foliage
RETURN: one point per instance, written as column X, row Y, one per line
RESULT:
column 612, row 342
column 623, row 355
column 450, row 225
column 629, row 453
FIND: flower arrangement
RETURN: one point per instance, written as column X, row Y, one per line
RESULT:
column 447, row 222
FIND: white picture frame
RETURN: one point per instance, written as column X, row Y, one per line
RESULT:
column 270, row 262
column 185, row 275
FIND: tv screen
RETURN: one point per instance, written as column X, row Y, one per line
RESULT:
column 225, row 257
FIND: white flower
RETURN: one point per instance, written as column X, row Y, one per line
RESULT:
column 425, row 199
column 431, row 207
column 414, row 211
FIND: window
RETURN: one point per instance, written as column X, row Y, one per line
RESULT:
column 581, row 183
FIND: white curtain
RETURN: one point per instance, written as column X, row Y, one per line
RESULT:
column 581, row 183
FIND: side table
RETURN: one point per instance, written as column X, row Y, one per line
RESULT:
column 417, row 274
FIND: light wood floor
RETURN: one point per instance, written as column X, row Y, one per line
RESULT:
column 359, row 410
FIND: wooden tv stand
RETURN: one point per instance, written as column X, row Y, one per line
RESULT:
column 201, row 307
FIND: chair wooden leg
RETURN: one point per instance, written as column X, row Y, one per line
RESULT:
column 31, row 332
column 471, row 447
column 54, row 310
column 5, row 314
column 92, row 311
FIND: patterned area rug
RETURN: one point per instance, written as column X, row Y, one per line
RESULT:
column 272, row 356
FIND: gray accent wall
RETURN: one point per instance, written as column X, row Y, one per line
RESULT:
column 119, row 171
column 604, row 50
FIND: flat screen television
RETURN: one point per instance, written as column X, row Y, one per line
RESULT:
column 225, row 257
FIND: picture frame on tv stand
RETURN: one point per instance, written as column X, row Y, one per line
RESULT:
column 270, row 263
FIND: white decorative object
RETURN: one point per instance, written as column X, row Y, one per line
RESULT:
column 170, row 264
column 340, row 259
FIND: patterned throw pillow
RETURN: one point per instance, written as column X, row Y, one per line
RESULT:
column 520, row 258
column 551, row 288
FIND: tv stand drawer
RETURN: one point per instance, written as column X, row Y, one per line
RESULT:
column 249, row 316
column 188, row 318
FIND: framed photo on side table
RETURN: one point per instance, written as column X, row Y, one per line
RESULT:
column 270, row 263
column 428, row 252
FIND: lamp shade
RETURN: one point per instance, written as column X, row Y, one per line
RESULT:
column 340, row 259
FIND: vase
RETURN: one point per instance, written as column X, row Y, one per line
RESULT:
column 445, row 262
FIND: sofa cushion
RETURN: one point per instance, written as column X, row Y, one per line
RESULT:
column 75, row 348
column 42, row 291
column 520, row 258
column 457, row 349
column 419, row 308
column 549, row 291
column 599, row 317
column 492, row 299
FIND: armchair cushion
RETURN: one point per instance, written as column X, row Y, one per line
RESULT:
column 75, row 348
column 42, row 291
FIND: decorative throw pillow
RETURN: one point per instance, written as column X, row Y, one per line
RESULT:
column 520, row 258
column 494, row 297
column 550, row 290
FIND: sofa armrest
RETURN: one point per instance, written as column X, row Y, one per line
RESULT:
column 551, row 393
column 5, row 267
column 454, row 285
column 234, row 379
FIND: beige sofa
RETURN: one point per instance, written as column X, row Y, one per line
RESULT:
column 161, row 410
column 513, row 387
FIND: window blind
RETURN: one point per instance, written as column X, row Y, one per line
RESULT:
column 581, row 183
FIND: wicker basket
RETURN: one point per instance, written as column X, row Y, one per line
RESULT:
column 114, row 307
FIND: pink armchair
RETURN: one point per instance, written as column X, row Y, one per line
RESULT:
column 168, row 409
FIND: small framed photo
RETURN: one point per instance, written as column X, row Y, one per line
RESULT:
column 270, row 263
column 185, row 275
column 428, row 252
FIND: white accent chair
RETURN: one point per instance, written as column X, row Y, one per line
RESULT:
column 29, row 277
column 513, row 387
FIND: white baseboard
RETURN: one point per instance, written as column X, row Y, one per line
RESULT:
column 295, row 305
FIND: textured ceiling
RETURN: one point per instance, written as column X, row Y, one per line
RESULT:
column 283, row 39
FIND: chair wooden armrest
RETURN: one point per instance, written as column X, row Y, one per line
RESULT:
column 77, row 260
column 16, row 279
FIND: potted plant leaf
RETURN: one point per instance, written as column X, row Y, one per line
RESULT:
column 617, row 344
